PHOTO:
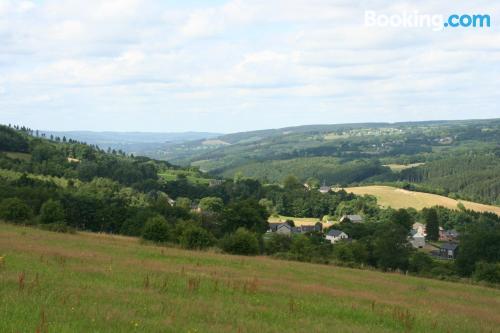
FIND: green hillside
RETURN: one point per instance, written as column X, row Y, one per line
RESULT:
column 452, row 158
column 96, row 283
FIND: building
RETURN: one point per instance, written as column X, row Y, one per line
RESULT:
column 284, row 229
column 324, row 189
column 448, row 250
column 352, row 218
column 448, row 235
column 417, row 238
column 335, row 236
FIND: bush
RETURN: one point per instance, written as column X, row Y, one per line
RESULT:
column 58, row 227
column 485, row 271
column 420, row 263
column 52, row 212
column 277, row 243
column 156, row 229
column 241, row 241
column 195, row 237
column 15, row 210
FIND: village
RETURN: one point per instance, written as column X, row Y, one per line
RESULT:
column 445, row 248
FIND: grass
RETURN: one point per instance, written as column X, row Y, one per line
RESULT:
column 192, row 177
column 18, row 156
column 399, row 198
column 59, row 181
column 52, row 282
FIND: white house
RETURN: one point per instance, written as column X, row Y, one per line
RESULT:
column 335, row 235
column 417, row 239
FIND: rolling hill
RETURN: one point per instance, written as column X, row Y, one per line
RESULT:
column 88, row 282
column 388, row 196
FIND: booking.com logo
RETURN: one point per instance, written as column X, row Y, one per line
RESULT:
column 436, row 22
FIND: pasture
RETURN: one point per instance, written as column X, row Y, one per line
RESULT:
column 52, row 282
column 388, row 196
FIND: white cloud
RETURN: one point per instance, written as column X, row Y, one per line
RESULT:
column 242, row 59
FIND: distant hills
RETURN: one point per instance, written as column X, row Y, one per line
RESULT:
column 150, row 144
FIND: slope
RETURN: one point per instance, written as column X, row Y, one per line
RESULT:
column 99, row 283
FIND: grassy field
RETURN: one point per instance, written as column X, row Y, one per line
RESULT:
column 297, row 220
column 192, row 177
column 86, row 282
column 399, row 198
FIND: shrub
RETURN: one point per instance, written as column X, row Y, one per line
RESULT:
column 195, row 237
column 277, row 243
column 241, row 241
column 156, row 229
column 52, row 212
column 58, row 227
column 15, row 210
column 420, row 263
column 485, row 271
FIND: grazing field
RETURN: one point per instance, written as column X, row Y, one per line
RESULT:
column 399, row 198
column 86, row 282
column 297, row 220
column 401, row 167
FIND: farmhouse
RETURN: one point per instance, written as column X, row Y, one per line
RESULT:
column 335, row 236
column 417, row 238
column 324, row 189
column 284, row 229
column 448, row 250
column 352, row 218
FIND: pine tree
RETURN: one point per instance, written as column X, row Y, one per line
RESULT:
column 432, row 225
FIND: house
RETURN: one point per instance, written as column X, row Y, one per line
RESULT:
column 419, row 227
column 324, row 189
column 215, row 182
column 352, row 218
column 284, row 229
column 317, row 227
column 448, row 235
column 417, row 238
column 448, row 250
column 335, row 236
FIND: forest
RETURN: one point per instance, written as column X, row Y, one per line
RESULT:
column 63, row 185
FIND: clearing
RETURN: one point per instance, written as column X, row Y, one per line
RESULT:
column 388, row 196
column 52, row 282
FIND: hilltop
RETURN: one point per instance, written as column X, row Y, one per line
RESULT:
column 98, row 283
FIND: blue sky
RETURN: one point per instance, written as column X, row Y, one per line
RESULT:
column 227, row 66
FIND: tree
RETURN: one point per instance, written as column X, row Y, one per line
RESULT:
column 241, row 241
column 211, row 204
column 52, row 212
column 156, row 229
column 247, row 214
column 420, row 263
column 277, row 243
column 391, row 248
column 432, row 224
column 197, row 238
column 183, row 202
column 15, row 210
column 292, row 183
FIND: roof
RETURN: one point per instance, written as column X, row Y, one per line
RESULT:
column 449, row 246
column 353, row 218
column 324, row 189
column 286, row 225
column 334, row 232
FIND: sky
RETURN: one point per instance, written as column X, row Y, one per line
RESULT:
column 237, row 65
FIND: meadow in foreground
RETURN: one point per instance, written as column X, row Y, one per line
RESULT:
column 86, row 282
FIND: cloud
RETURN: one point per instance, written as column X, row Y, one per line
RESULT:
column 285, row 61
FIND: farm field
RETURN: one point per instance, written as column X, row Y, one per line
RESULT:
column 399, row 198
column 87, row 282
